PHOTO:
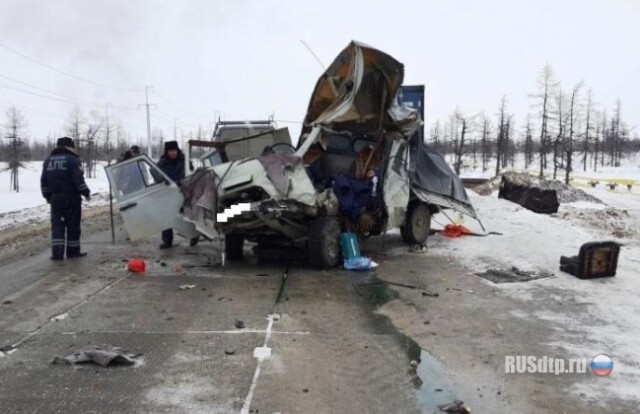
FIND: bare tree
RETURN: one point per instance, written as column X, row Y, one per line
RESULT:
column 528, row 145
column 435, row 136
column 587, row 129
column 460, row 147
column 502, row 140
column 615, row 135
column 547, row 85
column 558, row 153
column 573, row 115
column 15, row 124
column 75, row 125
column 485, row 146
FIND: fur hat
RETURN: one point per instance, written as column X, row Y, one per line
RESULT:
column 171, row 145
column 65, row 142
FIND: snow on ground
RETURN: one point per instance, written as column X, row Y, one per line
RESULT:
column 629, row 169
column 603, row 313
column 28, row 205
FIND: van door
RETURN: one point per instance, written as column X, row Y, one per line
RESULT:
column 147, row 199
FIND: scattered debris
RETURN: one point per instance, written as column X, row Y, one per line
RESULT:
column 469, row 290
column 360, row 263
column 60, row 317
column 7, row 302
column 456, row 406
column 229, row 351
column 455, row 230
column 186, row 287
column 414, row 363
column 6, row 348
column 105, row 356
column 430, row 294
column 596, row 259
column 528, row 194
column 418, row 248
column 512, row 275
column 305, row 390
column 565, row 193
column 239, row 324
column 136, row 266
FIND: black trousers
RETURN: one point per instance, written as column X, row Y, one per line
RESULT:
column 167, row 237
column 65, row 224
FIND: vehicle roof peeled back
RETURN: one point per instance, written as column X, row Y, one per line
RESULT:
column 358, row 92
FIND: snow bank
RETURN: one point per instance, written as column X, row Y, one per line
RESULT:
column 28, row 205
column 603, row 315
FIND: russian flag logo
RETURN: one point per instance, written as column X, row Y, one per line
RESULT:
column 602, row 365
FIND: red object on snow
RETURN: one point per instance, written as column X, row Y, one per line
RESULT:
column 455, row 230
column 136, row 266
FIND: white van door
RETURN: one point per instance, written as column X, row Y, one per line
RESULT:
column 147, row 199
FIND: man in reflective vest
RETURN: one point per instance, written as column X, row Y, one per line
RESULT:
column 62, row 183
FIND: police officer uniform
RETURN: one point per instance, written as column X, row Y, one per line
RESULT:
column 62, row 183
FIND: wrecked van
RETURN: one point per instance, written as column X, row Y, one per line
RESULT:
column 360, row 165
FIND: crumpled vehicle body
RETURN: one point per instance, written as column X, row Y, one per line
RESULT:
column 357, row 98
column 357, row 130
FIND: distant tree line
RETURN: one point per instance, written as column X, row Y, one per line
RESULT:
column 97, row 139
column 565, row 132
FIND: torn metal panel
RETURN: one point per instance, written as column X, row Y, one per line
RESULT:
column 358, row 91
column 433, row 181
column 396, row 184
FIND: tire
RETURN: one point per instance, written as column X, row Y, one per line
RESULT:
column 324, row 242
column 418, row 224
column 233, row 246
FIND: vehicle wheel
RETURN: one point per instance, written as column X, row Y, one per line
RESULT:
column 324, row 242
column 233, row 246
column 418, row 224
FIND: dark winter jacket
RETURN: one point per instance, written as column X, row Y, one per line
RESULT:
column 173, row 168
column 62, row 173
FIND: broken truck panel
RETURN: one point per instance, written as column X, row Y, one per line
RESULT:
column 434, row 182
column 396, row 188
column 358, row 92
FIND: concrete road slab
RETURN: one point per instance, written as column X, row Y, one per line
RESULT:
column 176, row 373
column 354, row 373
column 158, row 304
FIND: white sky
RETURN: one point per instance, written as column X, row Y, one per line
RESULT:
column 245, row 59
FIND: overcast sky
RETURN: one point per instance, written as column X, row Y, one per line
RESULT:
column 245, row 59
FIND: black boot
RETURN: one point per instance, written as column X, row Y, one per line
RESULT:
column 79, row 254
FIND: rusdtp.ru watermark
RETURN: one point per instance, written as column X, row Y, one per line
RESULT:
column 600, row 365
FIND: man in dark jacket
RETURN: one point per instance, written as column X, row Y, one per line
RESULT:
column 172, row 164
column 62, row 183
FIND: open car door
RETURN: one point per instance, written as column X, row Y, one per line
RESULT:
column 147, row 199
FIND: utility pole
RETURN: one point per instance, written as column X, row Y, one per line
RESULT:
column 107, row 143
column 147, row 105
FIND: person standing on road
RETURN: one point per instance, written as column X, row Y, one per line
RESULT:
column 62, row 183
column 172, row 164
